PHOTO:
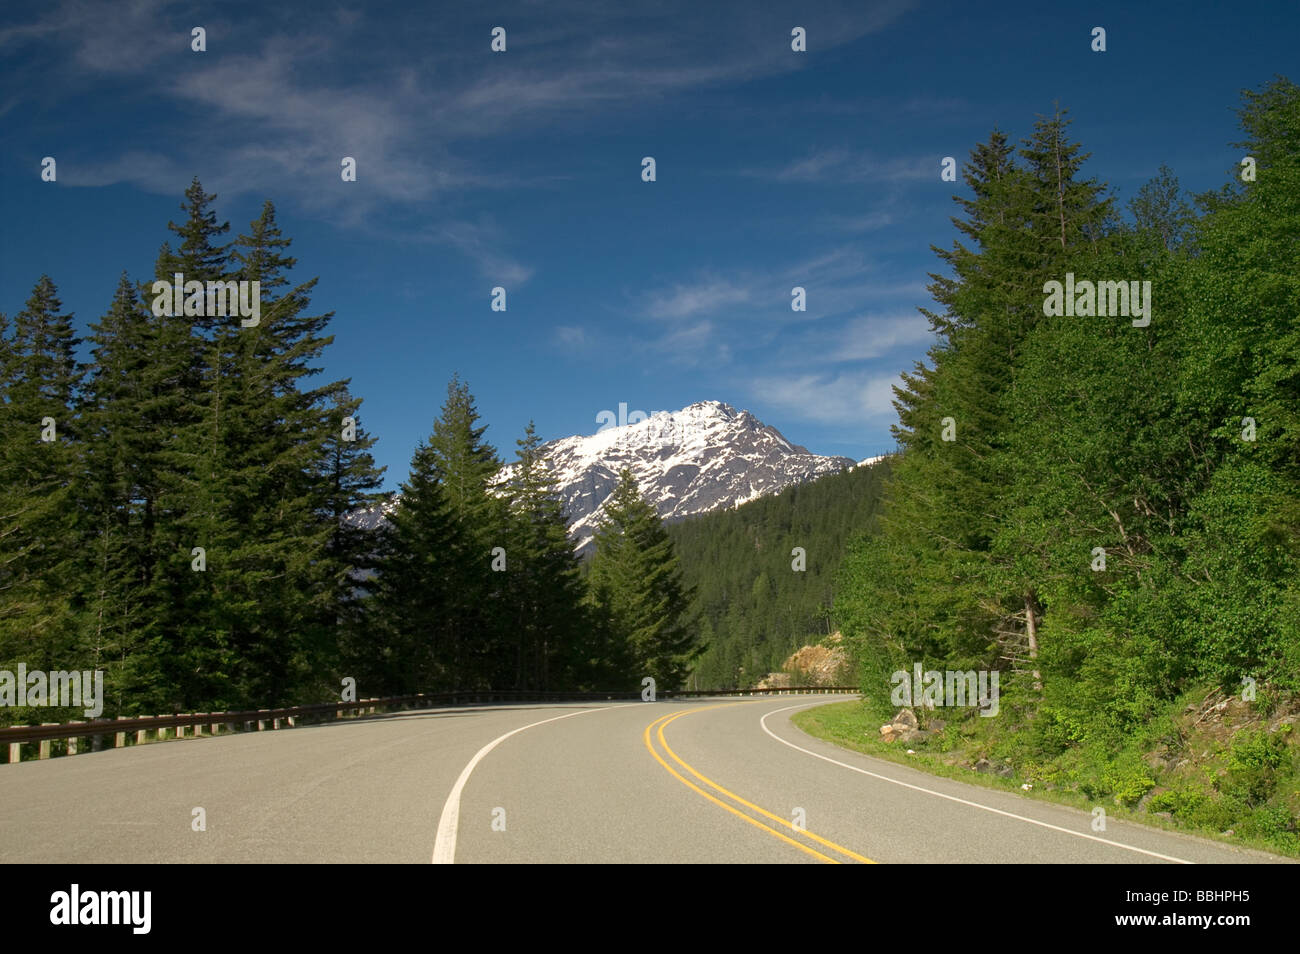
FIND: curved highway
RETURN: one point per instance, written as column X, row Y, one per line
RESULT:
column 720, row 780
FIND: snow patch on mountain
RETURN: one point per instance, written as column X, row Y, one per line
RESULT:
column 708, row 456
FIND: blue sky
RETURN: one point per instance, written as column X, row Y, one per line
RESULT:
column 523, row 169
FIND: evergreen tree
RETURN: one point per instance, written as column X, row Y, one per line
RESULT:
column 413, row 602
column 282, row 592
column 38, row 462
column 188, row 493
column 347, row 480
column 636, row 580
column 467, row 467
column 546, row 588
column 112, row 492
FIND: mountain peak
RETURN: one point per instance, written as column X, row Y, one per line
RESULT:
column 707, row 456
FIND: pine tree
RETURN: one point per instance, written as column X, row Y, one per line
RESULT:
column 467, row 467
column 276, row 436
column 413, row 602
column 636, row 580
column 188, row 498
column 546, row 589
column 112, row 490
column 347, row 480
column 943, row 581
column 39, row 590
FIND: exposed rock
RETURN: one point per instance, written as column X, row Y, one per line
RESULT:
column 903, row 728
column 824, row 664
column 905, row 718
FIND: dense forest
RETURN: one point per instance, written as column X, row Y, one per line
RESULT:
column 757, row 598
column 1103, row 506
column 1097, row 494
column 173, row 513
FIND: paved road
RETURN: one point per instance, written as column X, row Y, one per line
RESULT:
column 698, row 781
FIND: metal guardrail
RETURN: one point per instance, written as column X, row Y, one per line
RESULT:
column 19, row 735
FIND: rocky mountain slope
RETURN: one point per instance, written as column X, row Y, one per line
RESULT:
column 705, row 457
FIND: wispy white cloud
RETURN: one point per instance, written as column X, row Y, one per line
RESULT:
column 840, row 166
column 572, row 336
column 704, row 297
column 836, row 280
column 482, row 242
column 126, row 37
column 277, row 101
column 828, row 399
column 867, row 222
column 871, row 336
column 689, row 340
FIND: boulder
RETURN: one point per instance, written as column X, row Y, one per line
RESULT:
column 905, row 718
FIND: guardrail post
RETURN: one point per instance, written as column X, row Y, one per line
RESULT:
column 275, row 723
column 45, row 744
column 119, row 739
column 72, row 739
column 160, row 734
column 141, row 736
column 230, row 727
column 261, row 723
column 16, row 750
column 292, row 724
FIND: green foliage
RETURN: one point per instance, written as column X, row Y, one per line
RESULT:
column 555, row 643
column 186, row 431
column 1254, row 760
column 1171, row 450
column 637, row 587
column 754, row 608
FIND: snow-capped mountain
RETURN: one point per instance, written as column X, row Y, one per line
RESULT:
column 704, row 457
column 369, row 518
column 707, row 456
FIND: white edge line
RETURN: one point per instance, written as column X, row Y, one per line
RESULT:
column 444, row 846
column 954, row 798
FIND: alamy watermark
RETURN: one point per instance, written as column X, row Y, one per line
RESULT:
column 215, row 300
column 129, row 908
column 931, row 688
column 64, row 689
column 661, row 427
column 1102, row 299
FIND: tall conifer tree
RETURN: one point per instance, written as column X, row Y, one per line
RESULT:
column 636, row 581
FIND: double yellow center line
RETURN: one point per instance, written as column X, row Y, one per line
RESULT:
column 796, row 833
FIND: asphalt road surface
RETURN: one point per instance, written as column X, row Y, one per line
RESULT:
column 719, row 780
